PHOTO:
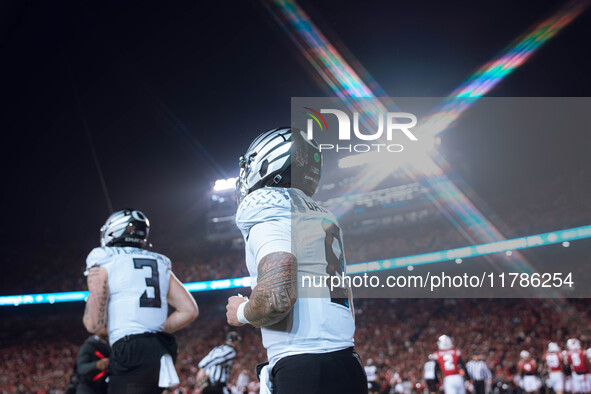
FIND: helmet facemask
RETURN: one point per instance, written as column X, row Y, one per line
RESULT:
column 241, row 183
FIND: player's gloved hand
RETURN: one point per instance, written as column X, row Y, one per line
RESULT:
column 232, row 310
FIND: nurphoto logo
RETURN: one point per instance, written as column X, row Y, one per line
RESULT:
column 388, row 123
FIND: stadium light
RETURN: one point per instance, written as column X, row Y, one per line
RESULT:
column 224, row 184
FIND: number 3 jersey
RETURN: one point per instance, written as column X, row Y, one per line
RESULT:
column 138, row 285
column 321, row 321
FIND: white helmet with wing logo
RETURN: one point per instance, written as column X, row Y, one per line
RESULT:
column 573, row 344
column 553, row 347
column 444, row 343
column 280, row 157
column 127, row 227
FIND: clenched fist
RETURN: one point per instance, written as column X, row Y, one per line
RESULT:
column 232, row 309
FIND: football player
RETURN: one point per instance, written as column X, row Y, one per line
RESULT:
column 553, row 364
column 129, row 289
column 588, row 354
column 429, row 375
column 450, row 365
column 579, row 365
column 371, row 373
column 309, row 340
column 528, row 369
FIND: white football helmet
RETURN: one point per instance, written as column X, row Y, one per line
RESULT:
column 573, row 344
column 127, row 227
column 588, row 353
column 553, row 347
column 524, row 354
column 282, row 156
column 444, row 343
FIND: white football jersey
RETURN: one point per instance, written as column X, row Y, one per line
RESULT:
column 370, row 372
column 429, row 370
column 138, row 285
column 319, row 324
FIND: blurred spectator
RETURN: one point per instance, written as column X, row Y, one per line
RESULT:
column 398, row 341
column 93, row 360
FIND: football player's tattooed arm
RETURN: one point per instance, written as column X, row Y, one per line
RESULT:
column 276, row 290
column 95, row 313
column 182, row 301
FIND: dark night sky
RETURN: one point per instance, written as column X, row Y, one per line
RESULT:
column 225, row 71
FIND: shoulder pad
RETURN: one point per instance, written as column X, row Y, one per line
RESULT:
column 269, row 203
column 99, row 257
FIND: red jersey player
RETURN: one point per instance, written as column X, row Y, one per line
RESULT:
column 553, row 363
column 588, row 354
column 450, row 365
column 576, row 358
column 528, row 368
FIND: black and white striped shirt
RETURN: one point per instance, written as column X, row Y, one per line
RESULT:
column 478, row 370
column 218, row 363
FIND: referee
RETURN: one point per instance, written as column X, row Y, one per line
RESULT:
column 217, row 365
column 479, row 373
column 429, row 375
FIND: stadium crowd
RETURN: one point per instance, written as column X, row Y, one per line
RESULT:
column 38, row 354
